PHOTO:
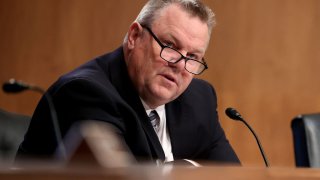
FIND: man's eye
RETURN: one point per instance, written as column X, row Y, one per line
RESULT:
column 192, row 56
column 169, row 44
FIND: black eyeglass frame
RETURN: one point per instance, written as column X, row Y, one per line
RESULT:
column 205, row 66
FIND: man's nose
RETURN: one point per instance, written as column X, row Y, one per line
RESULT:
column 178, row 66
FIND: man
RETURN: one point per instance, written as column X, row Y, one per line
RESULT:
column 152, row 74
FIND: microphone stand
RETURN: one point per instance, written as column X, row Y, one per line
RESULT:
column 235, row 115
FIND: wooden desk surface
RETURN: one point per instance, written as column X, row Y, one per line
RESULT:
column 154, row 173
column 246, row 173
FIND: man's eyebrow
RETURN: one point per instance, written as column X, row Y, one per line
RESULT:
column 180, row 44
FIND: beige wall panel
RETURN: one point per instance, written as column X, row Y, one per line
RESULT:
column 264, row 59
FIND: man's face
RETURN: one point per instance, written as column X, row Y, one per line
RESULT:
column 157, row 81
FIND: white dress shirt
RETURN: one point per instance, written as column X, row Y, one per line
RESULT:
column 162, row 131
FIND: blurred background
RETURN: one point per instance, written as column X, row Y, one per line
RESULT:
column 263, row 59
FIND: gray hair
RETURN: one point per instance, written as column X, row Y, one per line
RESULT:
column 195, row 8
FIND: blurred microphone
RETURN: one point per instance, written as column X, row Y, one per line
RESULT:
column 14, row 86
column 235, row 115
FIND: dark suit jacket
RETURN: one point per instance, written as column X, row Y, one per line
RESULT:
column 101, row 90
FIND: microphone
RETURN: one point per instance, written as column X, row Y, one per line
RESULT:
column 235, row 115
column 14, row 86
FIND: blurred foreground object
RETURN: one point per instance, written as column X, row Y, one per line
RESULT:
column 96, row 143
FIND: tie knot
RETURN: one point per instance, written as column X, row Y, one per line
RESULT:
column 154, row 119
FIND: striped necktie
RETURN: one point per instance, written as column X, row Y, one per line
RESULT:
column 154, row 119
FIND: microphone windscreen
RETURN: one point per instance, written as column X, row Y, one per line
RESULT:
column 13, row 86
column 233, row 114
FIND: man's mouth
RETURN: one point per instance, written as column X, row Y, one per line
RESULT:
column 169, row 77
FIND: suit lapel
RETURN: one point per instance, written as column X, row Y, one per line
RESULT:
column 120, row 78
column 181, row 128
column 173, row 115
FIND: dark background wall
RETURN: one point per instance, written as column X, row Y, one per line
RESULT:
column 264, row 58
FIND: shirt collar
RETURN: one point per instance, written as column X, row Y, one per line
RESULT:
column 148, row 109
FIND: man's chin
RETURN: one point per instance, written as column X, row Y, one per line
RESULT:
column 165, row 98
column 162, row 95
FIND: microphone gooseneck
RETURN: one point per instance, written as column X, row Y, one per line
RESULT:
column 235, row 115
column 14, row 86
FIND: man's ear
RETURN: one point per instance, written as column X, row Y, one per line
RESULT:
column 135, row 31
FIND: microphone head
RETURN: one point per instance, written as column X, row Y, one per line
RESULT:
column 13, row 86
column 233, row 114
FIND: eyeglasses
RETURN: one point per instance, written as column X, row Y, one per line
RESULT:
column 171, row 55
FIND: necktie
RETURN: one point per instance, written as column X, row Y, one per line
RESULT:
column 154, row 119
